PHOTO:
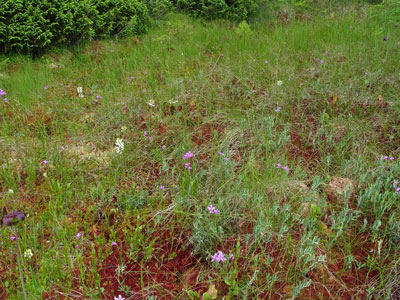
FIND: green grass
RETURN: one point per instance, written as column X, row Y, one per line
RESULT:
column 205, row 88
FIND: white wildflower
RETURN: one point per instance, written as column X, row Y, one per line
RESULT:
column 119, row 145
column 279, row 82
column 28, row 253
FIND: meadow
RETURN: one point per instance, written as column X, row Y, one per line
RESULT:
column 207, row 160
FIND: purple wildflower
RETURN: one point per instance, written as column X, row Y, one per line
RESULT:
column 163, row 147
column 213, row 210
column 278, row 165
column 113, row 243
column 45, row 162
column 98, row 97
column 150, row 138
column 286, row 168
column 398, row 190
column 278, row 109
column 385, row 157
column 226, row 158
column 301, row 84
column 2, row 93
column 187, row 155
column 12, row 238
column 395, row 183
column 144, row 133
column 162, row 188
column 218, row 257
column 231, row 256
column 266, row 61
column 119, row 298
column 131, row 78
column 5, row 100
column 391, row 158
column 220, row 153
column 46, row 87
column 78, row 235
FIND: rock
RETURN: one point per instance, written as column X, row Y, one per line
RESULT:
column 336, row 188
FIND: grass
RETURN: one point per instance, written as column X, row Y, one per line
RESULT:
column 326, row 228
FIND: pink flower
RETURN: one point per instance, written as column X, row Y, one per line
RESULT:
column 278, row 165
column 220, row 153
column 5, row 100
column 162, row 188
column 286, row 168
column 391, row 158
column 113, row 244
column 163, row 147
column 218, row 257
column 150, row 138
column 12, row 238
column 46, row 87
column 119, row 298
column 278, row 109
column 301, row 84
column 398, row 190
column 266, row 61
column 385, row 157
column 45, row 162
column 188, row 155
column 144, row 133
column 213, row 210
column 231, row 256
column 78, row 235
column 98, row 97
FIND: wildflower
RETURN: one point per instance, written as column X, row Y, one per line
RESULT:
column 150, row 138
column 189, row 168
column 231, row 256
column 12, row 238
column 279, row 82
column 163, row 147
column 213, row 210
column 317, row 59
column 2, row 93
column 123, row 128
column 144, row 133
column 391, row 158
column 187, row 155
column 321, row 61
column 220, row 153
column 162, row 188
column 131, row 78
column 278, row 165
column 98, row 97
column 398, row 190
column 76, row 246
column 113, row 244
column 286, row 168
column 80, row 91
column 28, row 253
column 266, row 61
column 119, row 146
column 278, row 109
column 10, row 191
column 385, row 157
column 5, row 100
column 187, row 165
column 218, row 257
column 395, row 183
column 78, row 235
column 119, row 298
column 45, row 162
column 46, row 87
column 226, row 158
column 301, row 84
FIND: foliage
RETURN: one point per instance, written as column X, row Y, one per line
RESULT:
column 236, row 10
column 33, row 26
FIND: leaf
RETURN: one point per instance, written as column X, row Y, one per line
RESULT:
column 212, row 293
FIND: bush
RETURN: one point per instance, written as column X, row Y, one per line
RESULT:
column 31, row 26
column 236, row 10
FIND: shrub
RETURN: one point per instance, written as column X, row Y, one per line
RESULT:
column 236, row 10
column 31, row 26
